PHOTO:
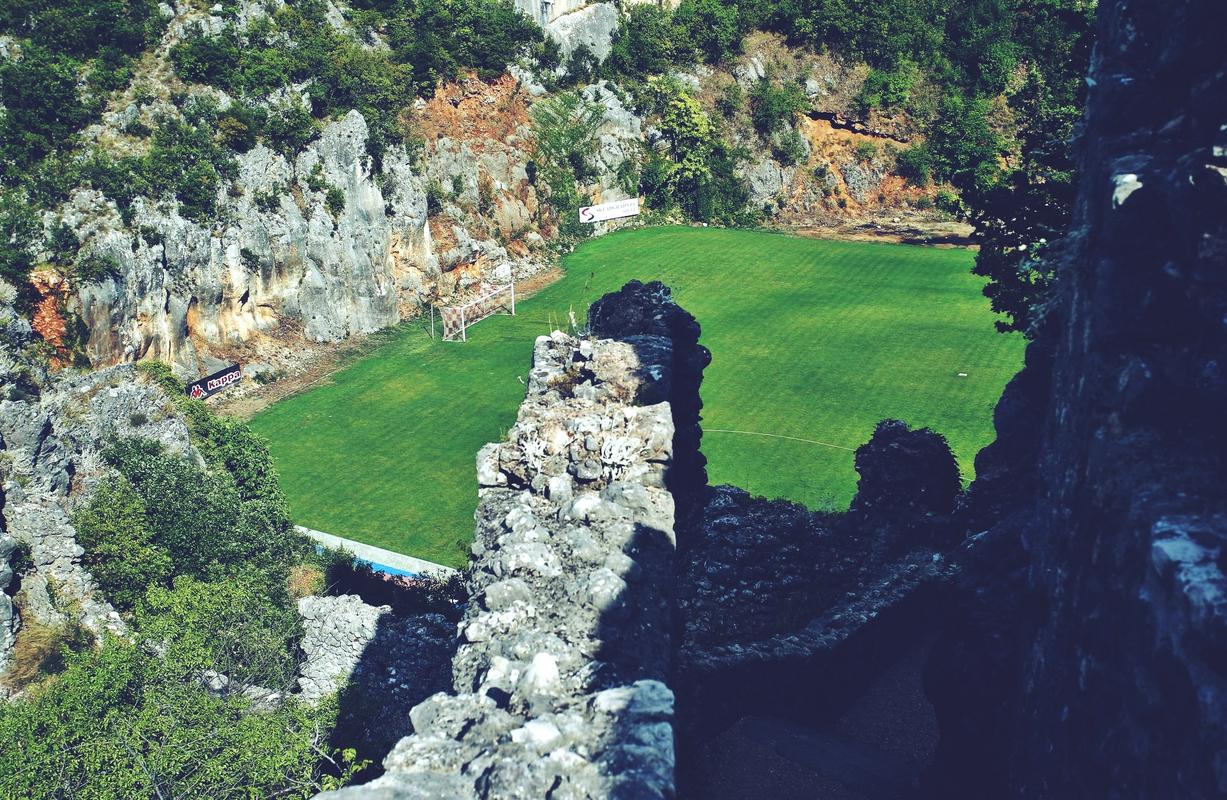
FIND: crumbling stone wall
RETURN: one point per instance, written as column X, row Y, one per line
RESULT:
column 1088, row 660
column 565, row 647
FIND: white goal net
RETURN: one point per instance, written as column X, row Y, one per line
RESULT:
column 489, row 301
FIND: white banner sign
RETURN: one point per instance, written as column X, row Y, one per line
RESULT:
column 614, row 210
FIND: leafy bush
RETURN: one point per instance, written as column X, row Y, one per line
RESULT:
column 18, row 231
column 42, row 109
column 888, row 88
column 731, row 100
column 788, row 147
column 95, row 266
column 119, row 552
column 865, row 151
column 335, row 201
column 963, row 145
column 161, row 374
column 714, row 28
column 211, row 522
column 773, row 107
column 289, row 128
column 643, row 44
column 915, row 165
column 948, row 201
column 147, row 728
column 185, row 162
column 210, row 59
column 83, row 28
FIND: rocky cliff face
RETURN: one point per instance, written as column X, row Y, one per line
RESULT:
column 51, row 437
column 1090, row 658
column 330, row 242
column 265, row 262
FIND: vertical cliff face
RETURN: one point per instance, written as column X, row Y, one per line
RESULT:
column 1104, row 673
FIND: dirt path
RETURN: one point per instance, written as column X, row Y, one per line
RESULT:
column 329, row 357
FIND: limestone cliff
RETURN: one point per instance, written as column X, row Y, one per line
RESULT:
column 329, row 240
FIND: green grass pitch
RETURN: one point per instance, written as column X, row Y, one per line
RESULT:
column 814, row 340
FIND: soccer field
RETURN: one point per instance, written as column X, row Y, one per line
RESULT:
column 813, row 342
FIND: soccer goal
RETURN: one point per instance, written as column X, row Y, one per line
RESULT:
column 489, row 301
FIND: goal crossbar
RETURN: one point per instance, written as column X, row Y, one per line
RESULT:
column 492, row 300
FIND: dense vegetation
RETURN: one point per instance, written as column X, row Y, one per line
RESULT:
column 813, row 340
column 994, row 84
column 1008, row 87
column 205, row 565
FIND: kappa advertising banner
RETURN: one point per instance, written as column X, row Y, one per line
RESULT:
column 614, row 210
column 211, row 385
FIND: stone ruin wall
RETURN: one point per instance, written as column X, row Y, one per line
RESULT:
column 564, row 649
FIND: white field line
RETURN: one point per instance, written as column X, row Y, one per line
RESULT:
column 779, row 436
column 962, row 478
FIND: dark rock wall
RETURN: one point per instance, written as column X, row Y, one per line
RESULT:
column 1093, row 627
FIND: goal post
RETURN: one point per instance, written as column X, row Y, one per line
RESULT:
column 490, row 300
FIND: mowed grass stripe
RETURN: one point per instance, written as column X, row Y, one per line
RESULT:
column 811, row 339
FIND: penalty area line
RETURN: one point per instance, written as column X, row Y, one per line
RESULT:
column 779, row 436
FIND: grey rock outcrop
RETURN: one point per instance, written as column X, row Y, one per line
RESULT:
column 278, row 253
column 592, row 26
column 52, row 431
column 559, row 678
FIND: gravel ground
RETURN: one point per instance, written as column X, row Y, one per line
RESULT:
column 874, row 751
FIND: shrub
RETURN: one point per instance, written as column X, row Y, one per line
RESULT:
column 42, row 108
column 21, row 560
column 334, row 200
column 789, row 148
column 239, row 127
column 149, row 728
column 110, row 72
column 643, row 44
column 582, row 65
column 434, row 195
column 866, row 151
column 161, row 374
column 95, row 267
column 84, row 28
column 211, row 522
column 289, row 128
column 948, row 201
column 773, row 107
column 915, row 165
column 19, row 228
column 119, row 552
column 731, row 100
column 207, row 59
column 888, row 88
column 713, row 27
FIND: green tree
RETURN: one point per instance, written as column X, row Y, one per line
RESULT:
column 19, row 230
column 915, row 165
column 644, row 43
column 714, row 28
column 42, row 109
column 965, row 149
column 119, row 552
